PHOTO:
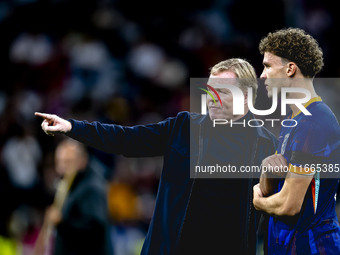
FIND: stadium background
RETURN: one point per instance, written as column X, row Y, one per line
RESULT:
column 127, row 63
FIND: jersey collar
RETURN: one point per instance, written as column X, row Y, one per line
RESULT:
column 312, row 100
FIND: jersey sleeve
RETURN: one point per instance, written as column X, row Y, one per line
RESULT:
column 309, row 145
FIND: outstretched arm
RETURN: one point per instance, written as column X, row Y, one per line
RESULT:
column 136, row 141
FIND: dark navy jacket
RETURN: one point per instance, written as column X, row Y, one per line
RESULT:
column 172, row 138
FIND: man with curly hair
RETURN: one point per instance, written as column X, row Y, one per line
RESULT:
column 302, row 205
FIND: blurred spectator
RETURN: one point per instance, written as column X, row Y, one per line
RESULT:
column 92, row 69
column 31, row 48
column 146, row 60
column 26, row 103
column 21, row 155
column 81, row 223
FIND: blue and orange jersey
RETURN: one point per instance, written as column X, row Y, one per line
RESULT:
column 311, row 147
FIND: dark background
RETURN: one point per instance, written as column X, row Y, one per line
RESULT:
column 123, row 62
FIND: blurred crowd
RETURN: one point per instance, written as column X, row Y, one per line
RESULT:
column 126, row 63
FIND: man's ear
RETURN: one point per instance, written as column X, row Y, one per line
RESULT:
column 291, row 69
column 245, row 93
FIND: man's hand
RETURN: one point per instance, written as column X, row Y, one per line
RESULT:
column 257, row 192
column 53, row 215
column 54, row 124
column 275, row 164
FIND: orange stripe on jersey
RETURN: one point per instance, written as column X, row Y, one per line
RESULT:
column 313, row 192
column 300, row 170
column 312, row 100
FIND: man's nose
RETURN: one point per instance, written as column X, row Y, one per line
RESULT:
column 210, row 99
column 263, row 75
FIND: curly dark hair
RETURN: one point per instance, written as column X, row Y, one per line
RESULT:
column 294, row 44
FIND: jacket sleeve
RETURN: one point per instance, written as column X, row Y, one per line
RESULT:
column 136, row 141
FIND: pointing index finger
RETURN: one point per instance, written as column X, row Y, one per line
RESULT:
column 43, row 115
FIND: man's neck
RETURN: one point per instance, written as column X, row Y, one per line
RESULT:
column 237, row 117
column 305, row 84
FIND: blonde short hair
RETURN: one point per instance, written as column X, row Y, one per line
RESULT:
column 243, row 70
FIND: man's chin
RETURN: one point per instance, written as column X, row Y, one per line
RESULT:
column 212, row 116
column 215, row 116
